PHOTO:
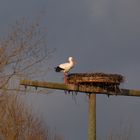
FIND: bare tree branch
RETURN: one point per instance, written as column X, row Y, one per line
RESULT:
column 24, row 50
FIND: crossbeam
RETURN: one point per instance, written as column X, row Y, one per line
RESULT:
column 86, row 89
column 78, row 88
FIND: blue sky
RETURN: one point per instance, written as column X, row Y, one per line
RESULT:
column 103, row 36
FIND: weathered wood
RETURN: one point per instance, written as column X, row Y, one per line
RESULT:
column 79, row 88
column 51, row 85
column 92, row 117
column 86, row 88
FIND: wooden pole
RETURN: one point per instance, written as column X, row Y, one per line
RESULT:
column 78, row 88
column 92, row 117
column 93, row 90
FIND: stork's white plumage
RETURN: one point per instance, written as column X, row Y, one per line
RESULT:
column 65, row 67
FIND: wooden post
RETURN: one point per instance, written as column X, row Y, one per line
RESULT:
column 92, row 100
column 92, row 117
column 72, row 87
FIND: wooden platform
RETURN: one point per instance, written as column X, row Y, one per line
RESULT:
column 108, row 82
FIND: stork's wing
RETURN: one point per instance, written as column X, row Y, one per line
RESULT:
column 64, row 66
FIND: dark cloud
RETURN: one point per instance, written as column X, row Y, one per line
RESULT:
column 103, row 35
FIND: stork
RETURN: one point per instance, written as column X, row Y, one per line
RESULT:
column 65, row 67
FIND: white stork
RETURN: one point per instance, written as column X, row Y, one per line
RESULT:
column 65, row 67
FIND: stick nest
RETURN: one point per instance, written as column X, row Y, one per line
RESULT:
column 79, row 78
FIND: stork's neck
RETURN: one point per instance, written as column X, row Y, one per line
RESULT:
column 71, row 62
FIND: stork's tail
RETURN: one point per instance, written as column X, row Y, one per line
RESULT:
column 58, row 69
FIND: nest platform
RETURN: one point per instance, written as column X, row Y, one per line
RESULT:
column 109, row 82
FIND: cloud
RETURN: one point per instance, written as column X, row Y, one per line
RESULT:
column 98, row 8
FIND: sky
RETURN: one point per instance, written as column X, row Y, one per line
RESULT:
column 103, row 36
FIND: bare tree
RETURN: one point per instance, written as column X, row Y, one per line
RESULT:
column 17, row 122
column 124, row 132
column 22, row 53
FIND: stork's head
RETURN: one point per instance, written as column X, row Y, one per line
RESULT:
column 71, row 59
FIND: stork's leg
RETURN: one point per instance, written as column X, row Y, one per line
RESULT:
column 65, row 78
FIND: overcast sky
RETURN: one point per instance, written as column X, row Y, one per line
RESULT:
column 103, row 36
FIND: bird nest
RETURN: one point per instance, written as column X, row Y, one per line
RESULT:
column 109, row 82
column 95, row 78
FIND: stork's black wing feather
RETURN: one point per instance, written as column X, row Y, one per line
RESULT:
column 58, row 69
